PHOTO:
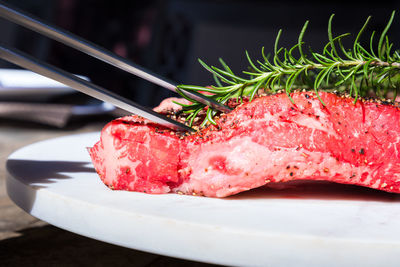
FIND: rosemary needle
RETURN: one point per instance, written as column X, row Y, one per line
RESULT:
column 357, row 71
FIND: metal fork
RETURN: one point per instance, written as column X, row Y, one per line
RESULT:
column 28, row 62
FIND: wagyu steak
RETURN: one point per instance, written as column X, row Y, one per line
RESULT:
column 268, row 140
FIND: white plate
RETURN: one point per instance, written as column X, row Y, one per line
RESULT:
column 90, row 109
column 341, row 226
column 25, row 84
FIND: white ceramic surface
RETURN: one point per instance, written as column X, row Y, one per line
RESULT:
column 322, row 225
column 25, row 84
column 90, row 109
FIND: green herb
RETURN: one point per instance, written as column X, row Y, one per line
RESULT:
column 359, row 71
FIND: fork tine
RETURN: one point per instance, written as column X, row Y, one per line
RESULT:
column 98, row 52
column 86, row 87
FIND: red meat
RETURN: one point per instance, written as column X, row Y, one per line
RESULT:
column 265, row 141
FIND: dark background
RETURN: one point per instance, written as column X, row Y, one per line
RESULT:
column 168, row 36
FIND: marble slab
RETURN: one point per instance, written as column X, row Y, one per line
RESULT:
column 310, row 225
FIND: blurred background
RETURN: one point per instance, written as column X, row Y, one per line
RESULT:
column 168, row 36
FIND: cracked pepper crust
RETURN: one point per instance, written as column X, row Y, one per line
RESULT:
column 268, row 140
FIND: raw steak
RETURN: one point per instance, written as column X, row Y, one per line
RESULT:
column 268, row 140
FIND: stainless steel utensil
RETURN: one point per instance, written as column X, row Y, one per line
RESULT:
column 86, row 87
column 91, row 49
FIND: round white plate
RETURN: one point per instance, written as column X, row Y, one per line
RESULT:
column 92, row 109
column 19, row 84
column 313, row 225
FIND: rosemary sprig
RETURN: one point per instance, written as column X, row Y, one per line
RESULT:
column 358, row 71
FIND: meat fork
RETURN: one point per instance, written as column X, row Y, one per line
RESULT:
column 23, row 60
